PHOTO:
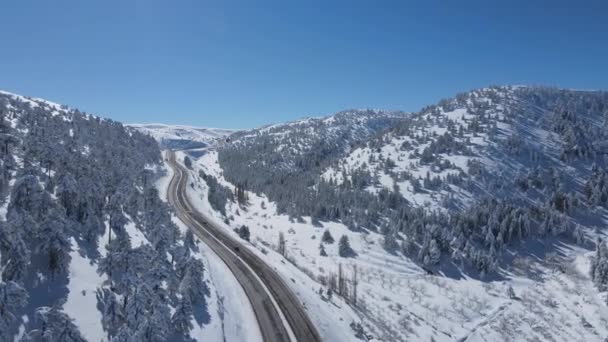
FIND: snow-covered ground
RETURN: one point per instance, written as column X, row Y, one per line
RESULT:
column 83, row 285
column 397, row 301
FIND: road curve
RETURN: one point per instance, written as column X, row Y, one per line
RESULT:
column 271, row 299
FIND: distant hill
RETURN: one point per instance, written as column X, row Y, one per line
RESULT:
column 182, row 137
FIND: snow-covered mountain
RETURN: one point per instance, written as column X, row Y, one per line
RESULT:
column 478, row 218
column 508, row 137
column 183, row 137
column 88, row 249
column 475, row 218
column 539, row 151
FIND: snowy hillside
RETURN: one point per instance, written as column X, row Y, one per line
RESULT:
column 88, row 250
column 263, row 160
column 476, row 218
column 507, row 137
column 397, row 300
column 183, row 137
column 482, row 217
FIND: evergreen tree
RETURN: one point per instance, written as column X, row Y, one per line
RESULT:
column 281, row 248
column 12, row 298
column 182, row 317
column 599, row 266
column 192, row 286
column 322, row 251
column 344, row 249
column 188, row 162
column 327, row 237
column 244, row 232
column 124, row 334
column 390, row 243
column 112, row 314
column 53, row 243
column 55, row 326
column 189, row 241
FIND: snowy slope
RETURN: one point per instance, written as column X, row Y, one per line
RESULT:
column 332, row 318
column 531, row 149
column 499, row 131
column 183, row 137
column 398, row 301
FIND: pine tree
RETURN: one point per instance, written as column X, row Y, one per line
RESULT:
column 15, row 255
column 511, row 292
column 189, row 241
column 281, row 246
column 408, row 248
column 327, row 237
column 599, row 266
column 344, row 249
column 12, row 298
column 188, row 162
column 150, row 330
column 182, row 317
column 433, row 255
column 53, row 243
column 55, row 326
column 192, row 285
column 124, row 334
column 322, row 251
column 244, row 232
column 390, row 243
column 112, row 314
column 355, row 284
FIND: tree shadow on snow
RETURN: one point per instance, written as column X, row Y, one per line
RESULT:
column 522, row 259
column 43, row 289
column 200, row 311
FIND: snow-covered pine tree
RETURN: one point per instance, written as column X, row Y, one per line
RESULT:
column 344, row 248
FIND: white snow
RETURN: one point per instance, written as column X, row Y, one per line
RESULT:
column 397, row 300
column 136, row 235
column 331, row 318
column 164, row 133
column 81, row 302
column 36, row 102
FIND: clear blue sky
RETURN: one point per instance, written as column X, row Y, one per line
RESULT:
column 237, row 64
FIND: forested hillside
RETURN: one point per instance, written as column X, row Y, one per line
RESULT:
column 279, row 159
column 461, row 181
column 79, row 207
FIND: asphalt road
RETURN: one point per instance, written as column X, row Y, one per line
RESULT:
column 272, row 301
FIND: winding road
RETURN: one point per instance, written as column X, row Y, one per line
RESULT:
column 279, row 313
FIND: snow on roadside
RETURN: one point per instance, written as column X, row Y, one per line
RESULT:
column 162, row 183
column 232, row 317
column 331, row 317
